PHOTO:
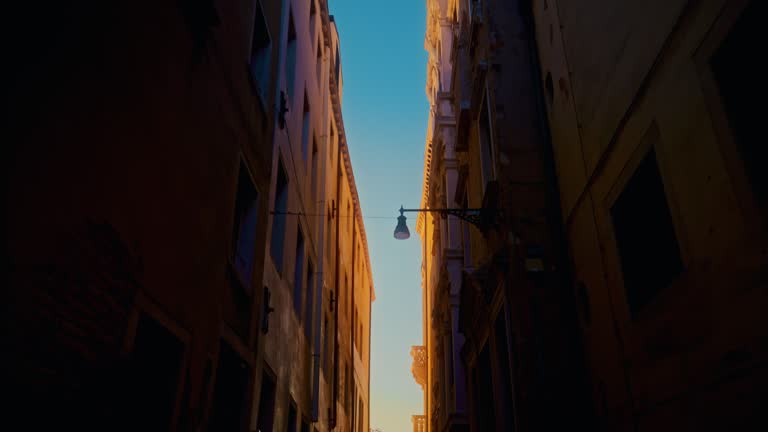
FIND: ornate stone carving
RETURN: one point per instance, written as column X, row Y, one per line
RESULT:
column 419, row 366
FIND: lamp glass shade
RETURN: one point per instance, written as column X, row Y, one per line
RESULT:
column 401, row 231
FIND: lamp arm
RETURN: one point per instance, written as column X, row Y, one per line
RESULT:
column 471, row 215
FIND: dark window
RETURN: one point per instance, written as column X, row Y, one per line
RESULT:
column 312, row 18
column 328, row 236
column 306, row 127
column 246, row 209
column 332, row 147
column 739, row 74
column 290, row 57
column 266, row 404
column 485, row 129
column 309, row 300
column 154, row 367
column 344, row 290
column 360, row 415
column 338, row 63
column 261, row 51
column 279, row 218
column 362, row 345
column 291, row 418
column 326, row 347
column 313, row 185
column 319, row 65
column 505, row 381
column 298, row 273
column 229, row 396
column 645, row 235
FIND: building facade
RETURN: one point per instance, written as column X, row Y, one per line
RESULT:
column 502, row 342
column 606, row 272
column 187, row 247
column 664, row 205
column 139, row 174
column 316, row 353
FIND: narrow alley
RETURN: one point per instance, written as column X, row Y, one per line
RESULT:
column 358, row 216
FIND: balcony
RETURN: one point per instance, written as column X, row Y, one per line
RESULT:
column 419, row 366
column 419, row 423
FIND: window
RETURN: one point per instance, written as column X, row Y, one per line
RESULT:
column 326, row 348
column 279, row 217
column 353, row 408
column 332, row 147
column 229, row 396
column 319, row 65
column 305, row 129
column 360, row 337
column 338, row 63
column 291, row 417
column 348, row 387
column 344, row 291
column 328, row 237
column 739, row 74
column 290, row 57
column 309, row 300
column 342, row 388
column 313, row 175
column 485, row 131
column 261, row 51
column 349, row 216
column 645, row 235
column 312, row 18
column 360, row 415
column 298, row 273
column 244, row 235
column 266, row 414
column 153, row 368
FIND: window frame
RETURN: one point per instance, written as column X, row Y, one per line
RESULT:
column 261, row 89
column 754, row 215
column 291, row 57
column 279, row 261
column 143, row 305
column 650, row 141
column 245, row 282
column 485, row 106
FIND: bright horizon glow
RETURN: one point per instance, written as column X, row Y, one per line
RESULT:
column 385, row 113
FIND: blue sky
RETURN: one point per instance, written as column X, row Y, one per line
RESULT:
column 385, row 114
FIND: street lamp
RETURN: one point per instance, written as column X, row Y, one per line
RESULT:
column 477, row 217
column 401, row 230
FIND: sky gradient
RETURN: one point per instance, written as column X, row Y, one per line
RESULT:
column 385, row 113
